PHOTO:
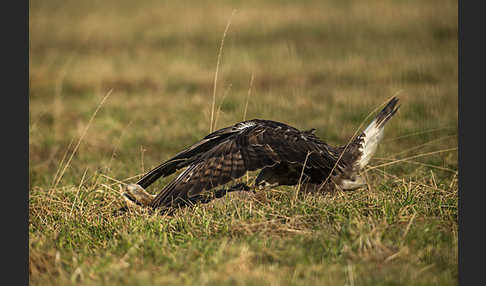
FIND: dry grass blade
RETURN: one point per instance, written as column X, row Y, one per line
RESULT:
column 421, row 164
column 217, row 71
column 77, row 192
column 248, row 97
column 407, row 229
column 54, row 179
column 142, row 165
column 422, row 145
column 246, row 108
column 300, row 178
column 411, row 157
column 221, row 105
column 81, row 138
column 417, row 133
column 388, row 175
column 117, row 145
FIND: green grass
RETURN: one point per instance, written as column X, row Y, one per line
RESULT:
column 315, row 64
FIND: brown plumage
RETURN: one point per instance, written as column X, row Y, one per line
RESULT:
column 285, row 154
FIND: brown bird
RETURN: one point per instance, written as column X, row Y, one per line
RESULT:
column 285, row 155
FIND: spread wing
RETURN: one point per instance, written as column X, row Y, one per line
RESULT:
column 246, row 146
column 187, row 156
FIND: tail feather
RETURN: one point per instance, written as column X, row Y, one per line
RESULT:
column 373, row 134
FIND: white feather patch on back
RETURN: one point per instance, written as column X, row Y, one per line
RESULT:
column 245, row 124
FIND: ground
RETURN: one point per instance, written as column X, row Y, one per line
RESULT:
column 116, row 87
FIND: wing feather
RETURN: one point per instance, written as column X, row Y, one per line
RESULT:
column 254, row 145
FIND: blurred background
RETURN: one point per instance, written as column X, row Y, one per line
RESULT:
column 117, row 87
column 311, row 64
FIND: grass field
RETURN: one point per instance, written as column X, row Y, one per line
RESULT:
column 116, row 87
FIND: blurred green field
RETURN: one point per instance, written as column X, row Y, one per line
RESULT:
column 116, row 87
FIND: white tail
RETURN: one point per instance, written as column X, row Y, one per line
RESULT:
column 373, row 134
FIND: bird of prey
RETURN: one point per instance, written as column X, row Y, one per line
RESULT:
column 285, row 155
